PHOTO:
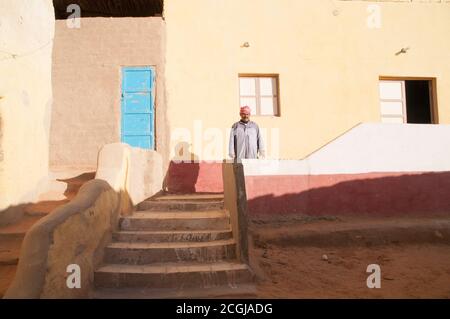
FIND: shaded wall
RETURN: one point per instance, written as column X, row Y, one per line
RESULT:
column 376, row 194
column 87, row 84
column 193, row 177
column 26, row 41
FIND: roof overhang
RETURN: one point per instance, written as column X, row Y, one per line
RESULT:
column 110, row 8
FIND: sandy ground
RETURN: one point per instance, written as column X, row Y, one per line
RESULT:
column 296, row 269
column 327, row 257
column 406, row 271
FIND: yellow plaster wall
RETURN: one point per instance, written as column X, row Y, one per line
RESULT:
column 26, row 40
column 328, row 60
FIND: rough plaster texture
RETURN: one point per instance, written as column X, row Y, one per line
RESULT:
column 75, row 233
column 328, row 61
column 235, row 202
column 87, row 84
column 145, row 174
column 133, row 170
column 112, row 165
column 26, row 41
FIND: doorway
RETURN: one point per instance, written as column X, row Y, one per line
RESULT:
column 408, row 100
column 138, row 107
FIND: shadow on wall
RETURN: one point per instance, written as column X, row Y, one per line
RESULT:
column 402, row 195
column 14, row 214
column 183, row 171
column 188, row 174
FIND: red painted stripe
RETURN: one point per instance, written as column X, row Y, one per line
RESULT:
column 380, row 194
column 189, row 178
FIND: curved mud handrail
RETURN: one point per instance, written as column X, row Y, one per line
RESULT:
column 31, row 272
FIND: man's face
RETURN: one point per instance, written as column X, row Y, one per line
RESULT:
column 245, row 117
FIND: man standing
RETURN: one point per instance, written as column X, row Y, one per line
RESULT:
column 245, row 138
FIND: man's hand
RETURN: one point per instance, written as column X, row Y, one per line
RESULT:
column 262, row 154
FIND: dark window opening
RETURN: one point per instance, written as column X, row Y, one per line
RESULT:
column 418, row 102
column 110, row 8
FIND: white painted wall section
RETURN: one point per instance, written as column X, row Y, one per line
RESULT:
column 370, row 148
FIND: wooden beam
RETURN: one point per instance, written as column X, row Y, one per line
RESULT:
column 119, row 8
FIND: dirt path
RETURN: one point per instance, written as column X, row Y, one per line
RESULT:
column 419, row 271
column 296, row 269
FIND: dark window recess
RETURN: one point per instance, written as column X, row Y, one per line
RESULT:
column 418, row 102
column 110, row 8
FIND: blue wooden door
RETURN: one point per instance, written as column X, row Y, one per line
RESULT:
column 138, row 114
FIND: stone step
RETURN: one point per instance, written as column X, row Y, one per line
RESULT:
column 189, row 197
column 173, row 275
column 10, row 250
column 242, row 291
column 147, row 253
column 179, row 205
column 181, row 215
column 7, row 273
column 165, row 221
column 12, row 235
column 44, row 208
column 172, row 236
column 20, row 227
column 363, row 231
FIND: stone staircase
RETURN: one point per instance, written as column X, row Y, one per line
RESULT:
column 174, row 246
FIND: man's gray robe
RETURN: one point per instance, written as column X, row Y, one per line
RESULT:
column 245, row 141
